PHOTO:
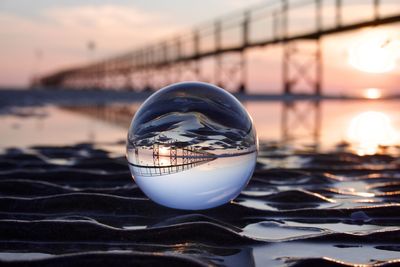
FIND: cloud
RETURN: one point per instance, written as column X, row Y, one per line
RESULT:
column 62, row 34
column 115, row 19
column 239, row 4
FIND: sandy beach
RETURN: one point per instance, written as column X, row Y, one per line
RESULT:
column 77, row 204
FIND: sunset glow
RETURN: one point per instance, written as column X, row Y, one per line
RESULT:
column 164, row 151
column 374, row 52
column 372, row 93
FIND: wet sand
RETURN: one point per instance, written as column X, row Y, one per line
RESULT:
column 78, row 205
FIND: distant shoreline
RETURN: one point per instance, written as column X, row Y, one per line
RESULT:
column 27, row 97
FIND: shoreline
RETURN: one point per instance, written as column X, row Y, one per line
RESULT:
column 29, row 97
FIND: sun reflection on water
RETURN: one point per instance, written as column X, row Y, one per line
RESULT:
column 370, row 130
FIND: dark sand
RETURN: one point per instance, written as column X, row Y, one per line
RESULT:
column 78, row 206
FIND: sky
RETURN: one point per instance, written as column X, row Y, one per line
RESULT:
column 38, row 37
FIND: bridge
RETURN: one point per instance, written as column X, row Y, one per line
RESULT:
column 180, row 57
column 173, row 159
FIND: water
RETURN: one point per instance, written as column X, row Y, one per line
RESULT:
column 326, row 125
column 294, row 125
column 191, row 146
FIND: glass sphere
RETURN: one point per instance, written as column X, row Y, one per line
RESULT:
column 192, row 146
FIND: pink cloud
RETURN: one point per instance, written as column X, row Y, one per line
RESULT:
column 62, row 35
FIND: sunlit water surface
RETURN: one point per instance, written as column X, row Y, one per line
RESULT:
column 369, row 126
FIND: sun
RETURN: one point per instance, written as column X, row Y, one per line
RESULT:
column 164, row 151
column 372, row 93
column 374, row 52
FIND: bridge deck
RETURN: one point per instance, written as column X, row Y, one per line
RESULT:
column 272, row 41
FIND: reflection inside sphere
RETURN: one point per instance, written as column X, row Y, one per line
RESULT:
column 191, row 146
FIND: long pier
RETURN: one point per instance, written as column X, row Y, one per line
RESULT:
column 179, row 58
column 173, row 159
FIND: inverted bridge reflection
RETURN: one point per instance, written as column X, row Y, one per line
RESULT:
column 161, row 159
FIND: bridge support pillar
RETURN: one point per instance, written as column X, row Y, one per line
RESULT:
column 128, row 80
column 302, row 67
column 231, row 71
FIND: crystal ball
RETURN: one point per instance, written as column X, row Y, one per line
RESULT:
column 192, row 146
